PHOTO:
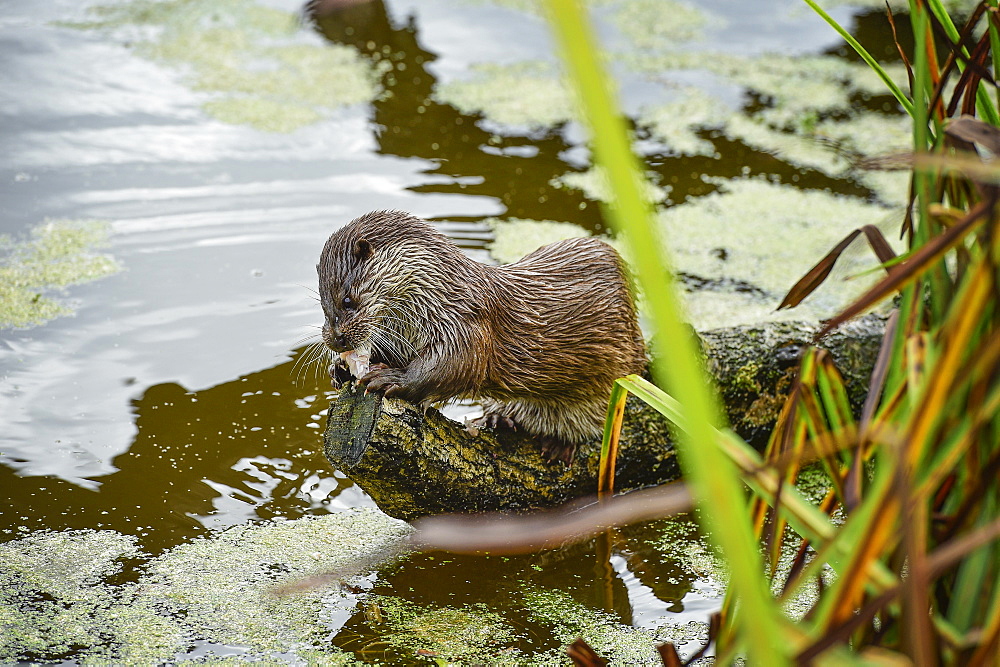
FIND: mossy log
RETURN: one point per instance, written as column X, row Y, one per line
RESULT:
column 414, row 463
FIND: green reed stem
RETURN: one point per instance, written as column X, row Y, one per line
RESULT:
column 712, row 476
column 861, row 51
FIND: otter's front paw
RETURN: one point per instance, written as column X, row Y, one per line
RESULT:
column 384, row 379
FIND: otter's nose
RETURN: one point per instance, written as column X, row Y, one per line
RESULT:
column 340, row 342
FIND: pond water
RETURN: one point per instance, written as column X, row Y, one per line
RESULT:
column 219, row 144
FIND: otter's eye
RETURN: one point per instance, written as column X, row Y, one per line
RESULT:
column 348, row 303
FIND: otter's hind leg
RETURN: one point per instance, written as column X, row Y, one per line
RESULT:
column 495, row 416
column 559, row 425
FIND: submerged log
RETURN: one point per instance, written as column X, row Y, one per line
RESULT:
column 413, row 463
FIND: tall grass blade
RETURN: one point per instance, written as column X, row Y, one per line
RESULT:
column 609, row 444
column 896, row 91
column 964, row 318
column 711, row 475
column 869, row 530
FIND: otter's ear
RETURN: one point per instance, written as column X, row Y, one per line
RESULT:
column 362, row 250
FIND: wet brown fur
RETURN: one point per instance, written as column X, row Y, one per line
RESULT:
column 539, row 341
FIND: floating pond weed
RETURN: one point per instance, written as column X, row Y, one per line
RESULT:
column 223, row 584
column 741, row 246
column 64, row 565
column 678, row 123
column 53, row 599
column 218, row 589
column 791, row 148
column 457, row 634
column 619, row 643
column 659, row 24
column 59, row 253
column 594, row 184
column 764, row 234
column 260, row 69
column 262, row 113
column 525, row 94
column 513, row 239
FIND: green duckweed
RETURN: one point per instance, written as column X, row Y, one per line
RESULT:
column 525, row 94
column 56, row 595
column 59, row 253
column 254, row 64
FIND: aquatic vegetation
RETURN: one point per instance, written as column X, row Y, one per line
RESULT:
column 794, row 104
column 660, row 24
column 795, row 89
column 454, row 634
column 743, row 247
column 802, row 109
column 792, row 148
column 687, row 637
column 765, row 235
column 680, row 537
column 259, row 68
column 58, row 594
column 55, row 593
column 54, row 598
column 594, row 184
column 513, row 239
column 223, row 584
column 534, row 7
column 262, row 113
column 59, row 253
column 621, row 644
column 677, row 123
column 869, row 134
column 775, row 78
column 526, row 94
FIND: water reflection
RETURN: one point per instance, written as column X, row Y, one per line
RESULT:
column 409, row 122
column 241, row 450
column 517, row 166
column 645, row 584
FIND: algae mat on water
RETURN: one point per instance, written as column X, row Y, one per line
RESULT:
column 740, row 248
column 58, row 595
column 811, row 112
column 59, row 253
column 254, row 63
column 94, row 596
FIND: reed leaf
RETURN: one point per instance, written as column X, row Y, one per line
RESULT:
column 905, row 274
column 896, row 91
column 964, row 317
column 868, row 531
column 609, row 443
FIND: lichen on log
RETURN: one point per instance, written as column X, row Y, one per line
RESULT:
column 414, row 463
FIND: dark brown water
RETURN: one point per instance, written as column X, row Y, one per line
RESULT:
column 167, row 407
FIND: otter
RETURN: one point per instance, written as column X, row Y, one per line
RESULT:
column 538, row 342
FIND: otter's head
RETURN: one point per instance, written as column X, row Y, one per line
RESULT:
column 347, row 324
column 365, row 276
